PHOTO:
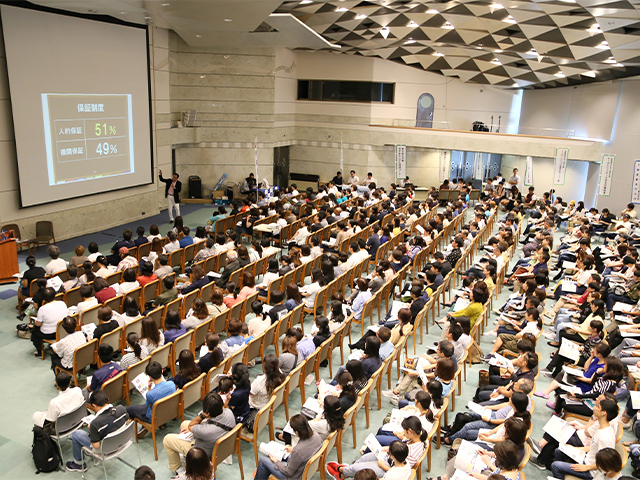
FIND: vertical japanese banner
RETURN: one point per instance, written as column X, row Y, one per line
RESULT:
column 401, row 161
column 528, row 172
column 477, row 165
column 341, row 155
column 560, row 165
column 635, row 186
column 255, row 148
column 444, row 165
column 606, row 175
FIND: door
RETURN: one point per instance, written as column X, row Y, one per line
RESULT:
column 424, row 114
column 281, row 166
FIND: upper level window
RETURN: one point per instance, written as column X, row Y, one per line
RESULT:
column 343, row 91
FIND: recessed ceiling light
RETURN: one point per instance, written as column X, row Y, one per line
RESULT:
column 559, row 75
column 595, row 28
column 228, row 20
column 432, row 11
column 305, row 2
column 610, row 60
column 166, row 4
column 201, row 76
column 495, row 61
column 515, row 85
column 532, row 52
column 498, row 51
column 448, row 26
column 123, row 13
column 413, row 24
column 617, row 65
column 496, row 6
column 341, row 9
column 603, row 46
column 591, row 74
column 198, row 35
column 384, row 32
column 568, row 1
column 410, row 41
column 510, row 19
column 438, row 54
column 361, row 16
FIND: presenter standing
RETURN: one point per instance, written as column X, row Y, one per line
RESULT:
column 172, row 189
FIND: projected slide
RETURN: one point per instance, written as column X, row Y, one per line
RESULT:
column 87, row 136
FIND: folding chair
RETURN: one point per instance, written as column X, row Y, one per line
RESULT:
column 227, row 445
column 163, row 411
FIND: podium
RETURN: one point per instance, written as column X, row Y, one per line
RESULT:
column 8, row 260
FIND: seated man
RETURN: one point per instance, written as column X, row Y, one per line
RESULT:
column 169, row 295
column 164, row 267
column 126, row 241
column 108, row 419
column 56, row 264
column 67, row 401
column 158, row 389
column 62, row 354
column 212, row 423
column 109, row 370
column 49, row 314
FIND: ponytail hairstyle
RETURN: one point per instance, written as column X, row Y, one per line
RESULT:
column 535, row 314
column 345, row 380
column 516, row 430
column 520, row 403
column 414, row 424
column 424, row 400
column 597, row 307
column 88, row 271
column 337, row 314
column 333, row 413
column 132, row 340
column 598, row 326
column 434, row 388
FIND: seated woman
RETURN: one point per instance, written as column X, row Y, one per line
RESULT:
column 594, row 365
column 248, row 286
column 130, row 311
column 214, row 357
column 294, row 297
column 445, row 371
column 289, row 357
column 309, row 292
column 173, row 327
column 198, row 314
column 146, row 274
column 336, row 318
column 414, row 438
column 234, row 335
column 272, row 274
column 151, row 337
column 263, row 386
column 137, row 353
column 216, row 306
column 129, row 283
column 421, row 409
column 198, row 280
column 583, row 314
column 595, row 332
column 293, row 467
column 188, row 369
column 238, row 401
column 331, row 420
column 231, row 298
column 260, row 323
column 514, row 428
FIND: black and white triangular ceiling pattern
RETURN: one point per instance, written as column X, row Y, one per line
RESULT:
column 514, row 44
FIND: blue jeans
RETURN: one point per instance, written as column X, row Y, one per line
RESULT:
column 561, row 467
column 470, row 430
column 139, row 412
column 265, row 468
column 79, row 439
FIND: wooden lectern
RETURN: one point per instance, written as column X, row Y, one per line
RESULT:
column 8, row 260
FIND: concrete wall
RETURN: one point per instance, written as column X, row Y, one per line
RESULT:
column 88, row 214
column 609, row 111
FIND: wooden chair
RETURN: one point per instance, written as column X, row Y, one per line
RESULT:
column 175, row 258
column 158, row 314
column 187, row 301
column 227, row 445
column 83, row 356
column 314, row 462
column 183, row 342
column 199, row 334
column 192, row 393
column 236, row 357
column 278, row 396
column 114, row 278
column 72, row 297
column 261, row 421
column 90, row 315
column 268, row 338
column 174, row 305
column 292, row 382
column 112, row 338
column 115, row 388
column 132, row 372
column 254, row 347
column 205, row 292
column 309, row 368
column 163, row 411
column 219, row 322
column 162, row 355
column 323, row 354
column 148, row 293
column 44, row 234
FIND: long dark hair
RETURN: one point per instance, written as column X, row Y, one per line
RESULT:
column 354, row 367
column 187, row 363
column 414, row 424
column 150, row 330
column 88, row 271
column 240, row 375
column 434, row 388
column 323, row 327
column 345, row 380
column 133, row 341
column 337, row 314
column 274, row 377
column 333, row 413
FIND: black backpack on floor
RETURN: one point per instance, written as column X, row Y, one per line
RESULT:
column 46, row 454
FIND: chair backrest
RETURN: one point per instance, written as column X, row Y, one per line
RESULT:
column 144, row 250
column 225, row 446
column 253, row 349
column 297, row 315
column 199, row 333
column 174, row 305
column 115, row 387
column 278, row 395
column 262, row 417
column 114, row 303
column 183, row 342
column 219, row 322
column 187, row 302
column 189, row 252
column 112, row 338
column 136, row 369
column 175, row 258
column 236, row 357
column 71, row 420
column 162, row 355
column 313, row 463
column 72, row 297
column 85, row 355
column 167, row 408
column 211, row 375
column 205, row 292
column 119, row 440
column 149, row 292
column 267, row 339
column 192, row 391
column 236, row 311
column 135, row 294
column 90, row 315
column 158, row 316
column 114, row 278
column 44, row 228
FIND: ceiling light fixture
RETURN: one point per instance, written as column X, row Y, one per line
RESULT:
column 432, row 11
column 495, row 61
column 510, row 19
column 362, row 16
column 305, row 2
column 342, row 9
column 497, row 5
column 610, row 60
column 515, row 85
column 594, row 29
column 559, row 75
column 497, row 51
column 410, row 41
column 228, row 20
column 166, row 4
column 448, row 26
column 568, row 1
column 438, row 54
column 384, row 32
column 413, row 24
column 198, row 35
column 603, row 46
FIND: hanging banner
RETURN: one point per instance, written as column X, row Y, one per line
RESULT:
column 341, row 155
column 635, row 186
column 560, row 165
column 477, row 165
column 606, row 174
column 401, row 161
column 528, row 172
column 255, row 147
column 444, row 165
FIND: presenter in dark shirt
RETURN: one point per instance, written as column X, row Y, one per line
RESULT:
column 337, row 180
column 172, row 189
